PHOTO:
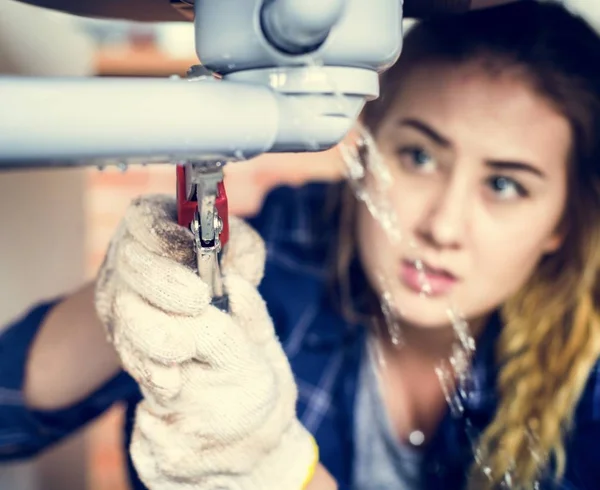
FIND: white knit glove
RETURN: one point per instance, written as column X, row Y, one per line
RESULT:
column 219, row 396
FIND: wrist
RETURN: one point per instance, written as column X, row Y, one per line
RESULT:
column 313, row 468
column 322, row 480
column 292, row 465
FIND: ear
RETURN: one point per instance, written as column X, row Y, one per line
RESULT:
column 557, row 238
column 554, row 242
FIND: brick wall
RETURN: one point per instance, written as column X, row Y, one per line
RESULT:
column 108, row 193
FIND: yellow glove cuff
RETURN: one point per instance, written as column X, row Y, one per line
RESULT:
column 313, row 467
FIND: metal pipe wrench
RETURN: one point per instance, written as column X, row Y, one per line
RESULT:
column 202, row 207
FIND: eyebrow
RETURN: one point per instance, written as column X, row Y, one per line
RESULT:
column 424, row 128
column 445, row 142
column 520, row 166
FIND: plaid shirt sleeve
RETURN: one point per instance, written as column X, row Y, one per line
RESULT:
column 25, row 432
column 295, row 252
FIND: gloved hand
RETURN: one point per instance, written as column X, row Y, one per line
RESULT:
column 219, row 396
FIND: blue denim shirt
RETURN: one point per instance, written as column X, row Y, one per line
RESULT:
column 325, row 353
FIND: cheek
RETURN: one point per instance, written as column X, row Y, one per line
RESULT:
column 507, row 266
column 411, row 204
column 378, row 254
column 507, row 256
column 513, row 239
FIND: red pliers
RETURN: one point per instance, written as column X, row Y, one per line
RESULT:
column 202, row 207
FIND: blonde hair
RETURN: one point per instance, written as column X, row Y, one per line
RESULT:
column 550, row 340
column 547, row 348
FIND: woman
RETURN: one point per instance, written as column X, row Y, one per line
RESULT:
column 489, row 126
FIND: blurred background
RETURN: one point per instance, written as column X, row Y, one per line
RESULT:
column 55, row 224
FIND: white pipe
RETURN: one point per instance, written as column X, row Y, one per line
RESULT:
column 297, row 25
column 69, row 119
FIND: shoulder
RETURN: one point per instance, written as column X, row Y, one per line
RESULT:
column 583, row 443
column 588, row 410
column 588, row 406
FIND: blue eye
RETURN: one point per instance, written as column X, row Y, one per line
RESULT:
column 416, row 158
column 506, row 187
column 420, row 157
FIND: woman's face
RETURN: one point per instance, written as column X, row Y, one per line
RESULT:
column 480, row 184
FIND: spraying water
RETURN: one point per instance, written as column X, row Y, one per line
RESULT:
column 364, row 163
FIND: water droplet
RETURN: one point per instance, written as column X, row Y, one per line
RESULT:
column 507, row 481
column 362, row 161
column 535, row 444
column 446, row 379
column 376, row 352
column 422, row 277
column 392, row 324
column 459, row 359
column 239, row 154
column 122, row 166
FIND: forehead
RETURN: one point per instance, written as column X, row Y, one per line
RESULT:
column 482, row 112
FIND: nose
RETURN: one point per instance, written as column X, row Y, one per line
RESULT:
column 444, row 223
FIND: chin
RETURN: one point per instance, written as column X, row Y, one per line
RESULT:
column 423, row 312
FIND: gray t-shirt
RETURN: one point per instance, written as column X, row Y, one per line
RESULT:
column 381, row 462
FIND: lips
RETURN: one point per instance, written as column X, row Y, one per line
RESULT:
column 427, row 279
